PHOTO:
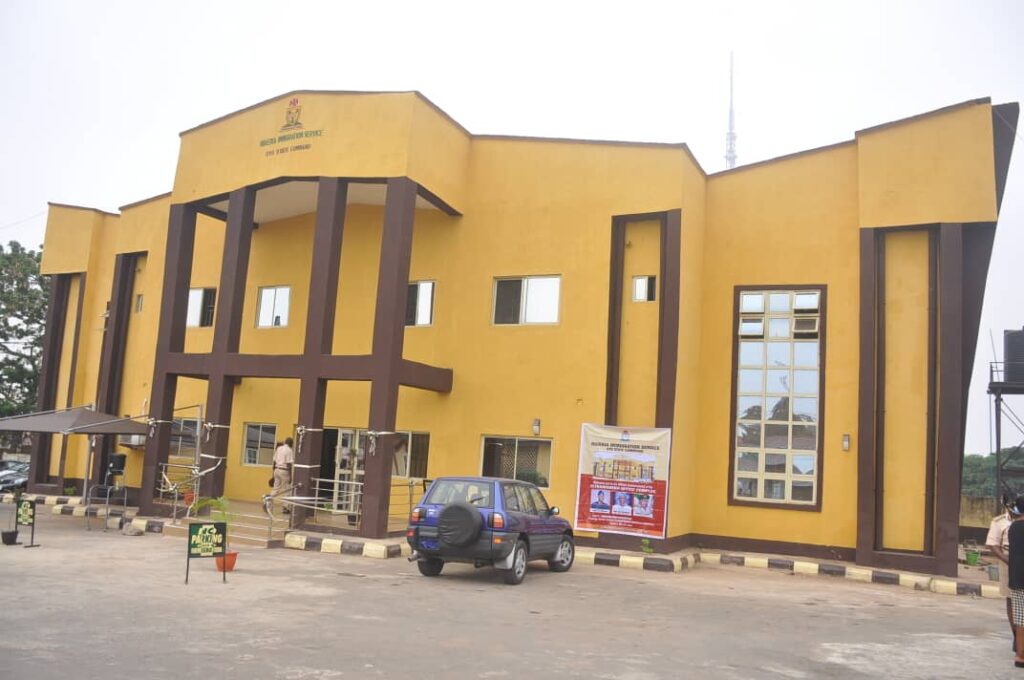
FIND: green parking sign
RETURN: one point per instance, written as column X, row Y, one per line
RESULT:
column 206, row 539
column 26, row 517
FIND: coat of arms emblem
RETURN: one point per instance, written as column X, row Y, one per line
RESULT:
column 291, row 116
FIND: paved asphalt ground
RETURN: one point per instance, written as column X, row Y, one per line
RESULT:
column 95, row 605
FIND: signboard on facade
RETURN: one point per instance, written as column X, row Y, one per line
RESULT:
column 206, row 539
column 623, row 480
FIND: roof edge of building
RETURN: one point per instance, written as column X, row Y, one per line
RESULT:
column 71, row 206
column 927, row 114
column 144, row 200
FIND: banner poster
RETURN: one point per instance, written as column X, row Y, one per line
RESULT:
column 623, row 484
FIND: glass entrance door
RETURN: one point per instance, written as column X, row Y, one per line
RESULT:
column 349, row 469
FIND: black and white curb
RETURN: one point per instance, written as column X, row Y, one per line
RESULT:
column 645, row 562
column 346, row 546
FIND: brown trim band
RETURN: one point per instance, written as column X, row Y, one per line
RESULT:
column 716, row 542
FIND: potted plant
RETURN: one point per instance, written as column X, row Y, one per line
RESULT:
column 219, row 512
column 11, row 537
column 69, row 489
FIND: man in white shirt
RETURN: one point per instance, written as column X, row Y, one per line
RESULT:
column 284, row 458
column 998, row 542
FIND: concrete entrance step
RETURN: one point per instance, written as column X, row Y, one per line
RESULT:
column 238, row 534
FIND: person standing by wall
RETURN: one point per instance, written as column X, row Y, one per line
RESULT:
column 1016, row 580
column 998, row 541
column 284, row 459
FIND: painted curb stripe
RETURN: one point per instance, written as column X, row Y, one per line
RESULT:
column 312, row 543
column 832, row 570
column 351, row 548
column 606, row 559
column 659, row 564
column 889, row 578
column 738, row 560
column 781, row 564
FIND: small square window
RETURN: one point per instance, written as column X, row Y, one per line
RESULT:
column 752, row 327
column 778, row 328
column 806, row 302
column 419, row 304
column 746, row 487
column 527, row 300
column 746, row 461
column 803, row 492
column 778, row 302
column 272, row 305
column 775, row 489
column 643, row 289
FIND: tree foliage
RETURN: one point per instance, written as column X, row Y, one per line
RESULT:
column 23, row 299
column 979, row 473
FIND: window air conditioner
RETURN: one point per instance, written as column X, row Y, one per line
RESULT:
column 133, row 441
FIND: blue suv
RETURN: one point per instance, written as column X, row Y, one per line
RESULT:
column 485, row 521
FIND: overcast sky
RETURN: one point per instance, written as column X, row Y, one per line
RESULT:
column 94, row 93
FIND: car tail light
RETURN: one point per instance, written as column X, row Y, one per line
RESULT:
column 497, row 520
column 417, row 515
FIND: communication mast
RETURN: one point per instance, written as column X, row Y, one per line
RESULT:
column 730, row 136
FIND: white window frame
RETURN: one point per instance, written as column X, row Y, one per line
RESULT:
column 424, row 316
column 650, row 288
column 515, row 464
column 524, row 298
column 274, row 306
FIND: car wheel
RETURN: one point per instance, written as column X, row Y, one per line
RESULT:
column 564, row 556
column 430, row 566
column 515, row 575
column 459, row 524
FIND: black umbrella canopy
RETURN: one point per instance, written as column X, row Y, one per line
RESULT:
column 78, row 420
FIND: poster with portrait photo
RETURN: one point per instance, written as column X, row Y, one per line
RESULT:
column 623, row 480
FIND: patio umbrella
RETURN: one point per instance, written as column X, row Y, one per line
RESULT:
column 78, row 420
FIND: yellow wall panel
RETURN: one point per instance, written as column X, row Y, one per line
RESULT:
column 638, row 343
column 905, row 433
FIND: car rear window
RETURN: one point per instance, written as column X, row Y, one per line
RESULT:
column 469, row 491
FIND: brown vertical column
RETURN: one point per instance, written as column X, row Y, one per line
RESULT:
column 866, row 427
column 115, row 336
column 388, row 341
column 951, row 397
column 668, row 318
column 181, row 235
column 332, row 195
column 615, row 268
column 233, row 273
column 53, row 340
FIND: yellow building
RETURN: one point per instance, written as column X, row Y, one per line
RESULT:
column 338, row 264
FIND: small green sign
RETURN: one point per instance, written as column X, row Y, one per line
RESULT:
column 26, row 514
column 207, row 539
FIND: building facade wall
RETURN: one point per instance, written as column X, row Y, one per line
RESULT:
column 515, row 207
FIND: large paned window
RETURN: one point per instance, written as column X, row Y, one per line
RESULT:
column 273, row 307
column 533, row 299
column 777, row 398
column 419, row 304
column 260, row 442
column 201, row 304
column 528, row 460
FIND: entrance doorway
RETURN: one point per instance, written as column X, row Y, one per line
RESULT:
column 342, row 468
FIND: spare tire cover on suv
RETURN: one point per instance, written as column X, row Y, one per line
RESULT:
column 459, row 524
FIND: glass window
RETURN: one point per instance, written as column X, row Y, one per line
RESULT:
column 272, row 307
column 511, row 499
column 748, row 408
column 527, row 300
column 643, row 289
column 779, row 354
column 260, row 442
column 195, row 307
column 746, row 461
column 778, row 408
column 752, row 354
column 525, row 499
column 539, row 503
column 138, row 303
column 778, row 302
column 746, row 487
column 419, row 304
column 752, row 302
column 542, row 299
column 528, row 460
column 474, row 492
